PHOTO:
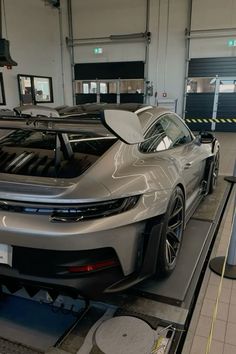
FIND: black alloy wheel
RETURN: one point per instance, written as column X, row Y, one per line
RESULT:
column 172, row 233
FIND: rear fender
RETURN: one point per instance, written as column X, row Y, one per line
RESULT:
column 208, row 171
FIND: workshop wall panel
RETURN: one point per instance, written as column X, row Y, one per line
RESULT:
column 210, row 67
column 33, row 32
column 102, row 18
column 213, row 14
column 171, row 50
column 165, row 58
column 211, row 48
column 115, row 70
column 213, row 23
column 99, row 19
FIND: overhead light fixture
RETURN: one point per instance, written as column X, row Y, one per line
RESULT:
column 5, row 56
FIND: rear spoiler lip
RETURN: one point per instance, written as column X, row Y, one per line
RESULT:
column 125, row 125
column 51, row 124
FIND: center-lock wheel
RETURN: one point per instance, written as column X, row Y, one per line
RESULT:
column 172, row 233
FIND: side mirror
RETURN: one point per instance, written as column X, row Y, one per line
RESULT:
column 206, row 137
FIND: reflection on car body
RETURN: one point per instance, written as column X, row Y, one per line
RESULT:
column 96, row 201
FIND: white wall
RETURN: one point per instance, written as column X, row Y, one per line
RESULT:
column 167, row 63
column 213, row 15
column 33, row 31
column 92, row 18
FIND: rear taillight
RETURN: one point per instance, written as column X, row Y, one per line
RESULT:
column 73, row 212
column 93, row 267
column 93, row 210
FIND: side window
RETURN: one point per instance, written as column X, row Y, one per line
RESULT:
column 175, row 130
column 155, row 139
column 166, row 133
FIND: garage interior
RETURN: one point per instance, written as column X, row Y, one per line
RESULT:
column 177, row 54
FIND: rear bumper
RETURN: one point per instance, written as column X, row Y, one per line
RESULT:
column 36, row 269
column 91, row 286
column 124, row 240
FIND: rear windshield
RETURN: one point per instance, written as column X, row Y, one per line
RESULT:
column 47, row 154
column 45, row 140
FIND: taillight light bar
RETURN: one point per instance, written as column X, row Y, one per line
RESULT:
column 93, row 267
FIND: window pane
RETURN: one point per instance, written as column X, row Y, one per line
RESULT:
column 107, row 87
column 79, row 86
column 155, row 139
column 35, row 89
column 25, row 89
column 92, row 87
column 103, row 87
column 201, row 84
column 42, row 89
column 112, row 87
column 132, row 86
column 177, row 132
column 85, row 88
column 227, row 86
column 166, row 133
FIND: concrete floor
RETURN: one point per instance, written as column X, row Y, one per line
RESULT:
column 227, row 152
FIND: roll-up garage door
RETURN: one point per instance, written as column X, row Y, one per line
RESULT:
column 211, row 94
column 114, row 82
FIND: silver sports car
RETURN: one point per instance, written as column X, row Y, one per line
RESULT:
column 95, row 199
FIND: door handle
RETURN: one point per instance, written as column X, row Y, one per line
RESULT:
column 187, row 165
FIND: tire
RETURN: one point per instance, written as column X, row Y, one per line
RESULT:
column 214, row 174
column 172, row 234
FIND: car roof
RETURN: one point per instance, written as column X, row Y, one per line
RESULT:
column 92, row 112
column 98, row 108
column 144, row 111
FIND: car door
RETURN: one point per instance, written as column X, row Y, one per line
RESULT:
column 170, row 137
column 189, row 155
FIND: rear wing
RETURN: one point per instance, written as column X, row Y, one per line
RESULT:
column 123, row 124
column 36, row 111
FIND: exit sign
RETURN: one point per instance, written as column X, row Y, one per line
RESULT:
column 98, row 50
column 232, row 43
